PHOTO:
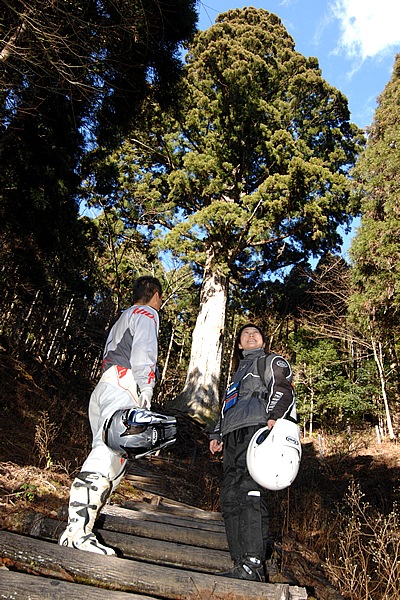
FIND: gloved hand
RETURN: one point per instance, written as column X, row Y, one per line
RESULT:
column 145, row 399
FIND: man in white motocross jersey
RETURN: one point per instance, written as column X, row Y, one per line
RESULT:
column 127, row 380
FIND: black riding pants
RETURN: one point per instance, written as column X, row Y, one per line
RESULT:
column 243, row 501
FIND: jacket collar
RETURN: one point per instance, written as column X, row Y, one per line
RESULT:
column 254, row 353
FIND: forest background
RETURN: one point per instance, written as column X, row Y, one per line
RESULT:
column 229, row 177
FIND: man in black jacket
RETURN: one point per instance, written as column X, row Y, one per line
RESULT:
column 260, row 393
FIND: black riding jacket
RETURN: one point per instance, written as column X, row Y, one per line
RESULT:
column 253, row 398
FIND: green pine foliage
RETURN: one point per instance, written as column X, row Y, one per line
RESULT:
column 73, row 77
column 375, row 250
column 325, row 394
column 250, row 173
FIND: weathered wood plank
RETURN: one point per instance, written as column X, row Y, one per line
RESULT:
column 145, row 479
column 168, row 553
column 161, row 517
column 44, row 558
column 162, row 531
column 132, row 546
column 174, row 508
column 203, row 538
column 21, row 586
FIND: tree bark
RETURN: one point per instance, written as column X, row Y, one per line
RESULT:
column 200, row 395
column 166, row 362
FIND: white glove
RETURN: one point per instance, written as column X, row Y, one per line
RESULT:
column 145, row 399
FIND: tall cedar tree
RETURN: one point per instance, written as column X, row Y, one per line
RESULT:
column 72, row 74
column 375, row 249
column 250, row 176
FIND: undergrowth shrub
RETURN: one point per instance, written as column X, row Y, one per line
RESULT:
column 45, row 434
column 365, row 563
column 342, row 509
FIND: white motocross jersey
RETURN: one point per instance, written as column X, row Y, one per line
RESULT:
column 133, row 344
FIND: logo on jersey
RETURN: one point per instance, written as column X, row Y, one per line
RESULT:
column 292, row 440
column 142, row 311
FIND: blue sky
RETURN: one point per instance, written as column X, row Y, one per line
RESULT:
column 355, row 42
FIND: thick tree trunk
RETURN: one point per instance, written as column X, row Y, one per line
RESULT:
column 200, row 397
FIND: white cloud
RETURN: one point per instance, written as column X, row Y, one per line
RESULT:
column 369, row 27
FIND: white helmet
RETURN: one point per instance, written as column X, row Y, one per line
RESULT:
column 273, row 456
column 135, row 432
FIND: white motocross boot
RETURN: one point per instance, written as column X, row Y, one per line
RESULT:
column 89, row 493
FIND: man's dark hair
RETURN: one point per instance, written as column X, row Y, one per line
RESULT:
column 144, row 288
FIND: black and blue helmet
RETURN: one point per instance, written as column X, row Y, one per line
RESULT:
column 135, row 432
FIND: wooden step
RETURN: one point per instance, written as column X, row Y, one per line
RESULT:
column 167, row 506
column 22, row 585
column 43, row 558
column 130, row 545
column 158, row 515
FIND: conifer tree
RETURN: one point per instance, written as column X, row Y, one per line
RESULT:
column 249, row 176
column 73, row 76
column 375, row 249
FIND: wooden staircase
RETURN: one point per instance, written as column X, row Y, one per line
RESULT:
column 166, row 550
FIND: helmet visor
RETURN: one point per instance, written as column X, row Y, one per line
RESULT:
column 134, row 429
